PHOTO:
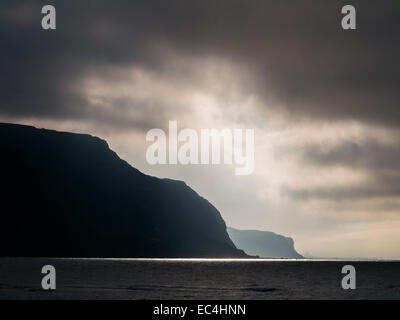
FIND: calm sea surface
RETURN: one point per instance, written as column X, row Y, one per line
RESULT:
column 20, row 278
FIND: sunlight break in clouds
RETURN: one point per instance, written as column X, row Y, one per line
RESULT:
column 279, row 197
column 324, row 104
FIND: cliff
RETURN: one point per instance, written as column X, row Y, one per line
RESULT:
column 69, row 195
column 264, row 244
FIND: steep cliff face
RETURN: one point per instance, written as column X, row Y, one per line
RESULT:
column 264, row 244
column 69, row 195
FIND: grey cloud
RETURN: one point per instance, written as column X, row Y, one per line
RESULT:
column 367, row 155
column 379, row 162
column 344, row 193
column 302, row 58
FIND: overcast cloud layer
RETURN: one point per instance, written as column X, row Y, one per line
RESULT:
column 323, row 102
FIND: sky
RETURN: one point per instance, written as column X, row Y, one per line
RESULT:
column 323, row 102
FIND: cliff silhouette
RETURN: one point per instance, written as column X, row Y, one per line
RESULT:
column 69, row 195
column 264, row 244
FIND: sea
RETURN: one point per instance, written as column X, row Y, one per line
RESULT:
column 187, row 279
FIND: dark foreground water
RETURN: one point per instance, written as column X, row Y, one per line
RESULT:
column 20, row 278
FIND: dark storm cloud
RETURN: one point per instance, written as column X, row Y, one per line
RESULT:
column 301, row 57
